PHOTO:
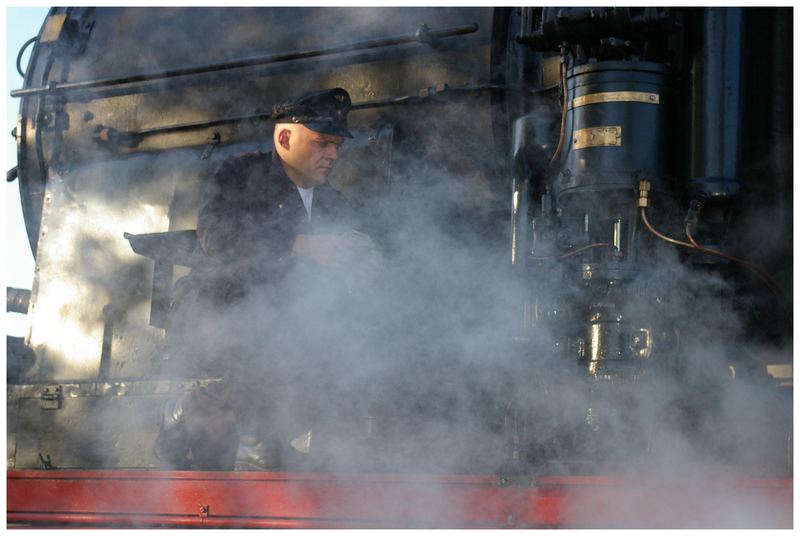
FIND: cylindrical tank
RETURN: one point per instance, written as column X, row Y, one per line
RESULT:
column 616, row 126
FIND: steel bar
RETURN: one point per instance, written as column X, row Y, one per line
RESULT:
column 423, row 35
column 136, row 136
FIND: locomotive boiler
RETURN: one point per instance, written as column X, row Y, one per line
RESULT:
column 584, row 312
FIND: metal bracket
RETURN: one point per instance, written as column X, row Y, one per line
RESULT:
column 432, row 90
column 45, row 462
column 113, row 138
column 641, row 343
column 523, row 481
column 212, row 141
column 53, row 120
column 423, row 35
column 52, row 397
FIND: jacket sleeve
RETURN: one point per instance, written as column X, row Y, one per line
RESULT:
column 241, row 216
column 218, row 209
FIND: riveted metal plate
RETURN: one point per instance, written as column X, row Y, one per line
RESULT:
column 616, row 96
column 597, row 137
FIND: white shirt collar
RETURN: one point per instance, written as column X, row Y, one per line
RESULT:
column 307, row 195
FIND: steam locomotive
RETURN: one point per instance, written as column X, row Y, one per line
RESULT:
column 586, row 220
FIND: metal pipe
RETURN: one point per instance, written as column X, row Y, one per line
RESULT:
column 133, row 138
column 17, row 300
column 520, row 196
column 21, row 52
column 199, row 125
column 422, row 35
column 717, row 101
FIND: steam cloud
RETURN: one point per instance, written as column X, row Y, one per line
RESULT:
column 419, row 370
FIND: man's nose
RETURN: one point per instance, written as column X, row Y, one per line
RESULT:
column 332, row 152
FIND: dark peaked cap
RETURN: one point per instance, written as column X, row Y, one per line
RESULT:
column 322, row 111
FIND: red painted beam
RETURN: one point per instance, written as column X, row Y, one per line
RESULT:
column 314, row 500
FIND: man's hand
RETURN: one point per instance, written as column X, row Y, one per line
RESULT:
column 325, row 249
column 353, row 252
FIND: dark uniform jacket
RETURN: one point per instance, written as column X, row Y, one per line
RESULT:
column 251, row 214
column 250, row 208
column 249, row 218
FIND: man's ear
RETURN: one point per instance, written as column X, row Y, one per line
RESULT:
column 283, row 138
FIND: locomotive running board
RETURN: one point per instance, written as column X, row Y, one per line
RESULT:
column 127, row 498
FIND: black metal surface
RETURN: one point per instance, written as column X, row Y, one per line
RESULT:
column 19, row 359
column 176, row 247
column 534, row 138
column 423, row 35
column 548, row 27
column 166, row 250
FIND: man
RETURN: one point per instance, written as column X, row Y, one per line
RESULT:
column 262, row 216
column 266, row 204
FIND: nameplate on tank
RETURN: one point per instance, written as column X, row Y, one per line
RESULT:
column 597, row 137
column 616, row 96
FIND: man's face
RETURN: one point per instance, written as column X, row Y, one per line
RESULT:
column 308, row 156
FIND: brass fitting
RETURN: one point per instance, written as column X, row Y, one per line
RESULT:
column 644, row 191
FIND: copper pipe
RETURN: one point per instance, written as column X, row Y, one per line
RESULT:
column 563, row 113
column 766, row 279
column 643, row 212
column 690, row 237
column 771, row 285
